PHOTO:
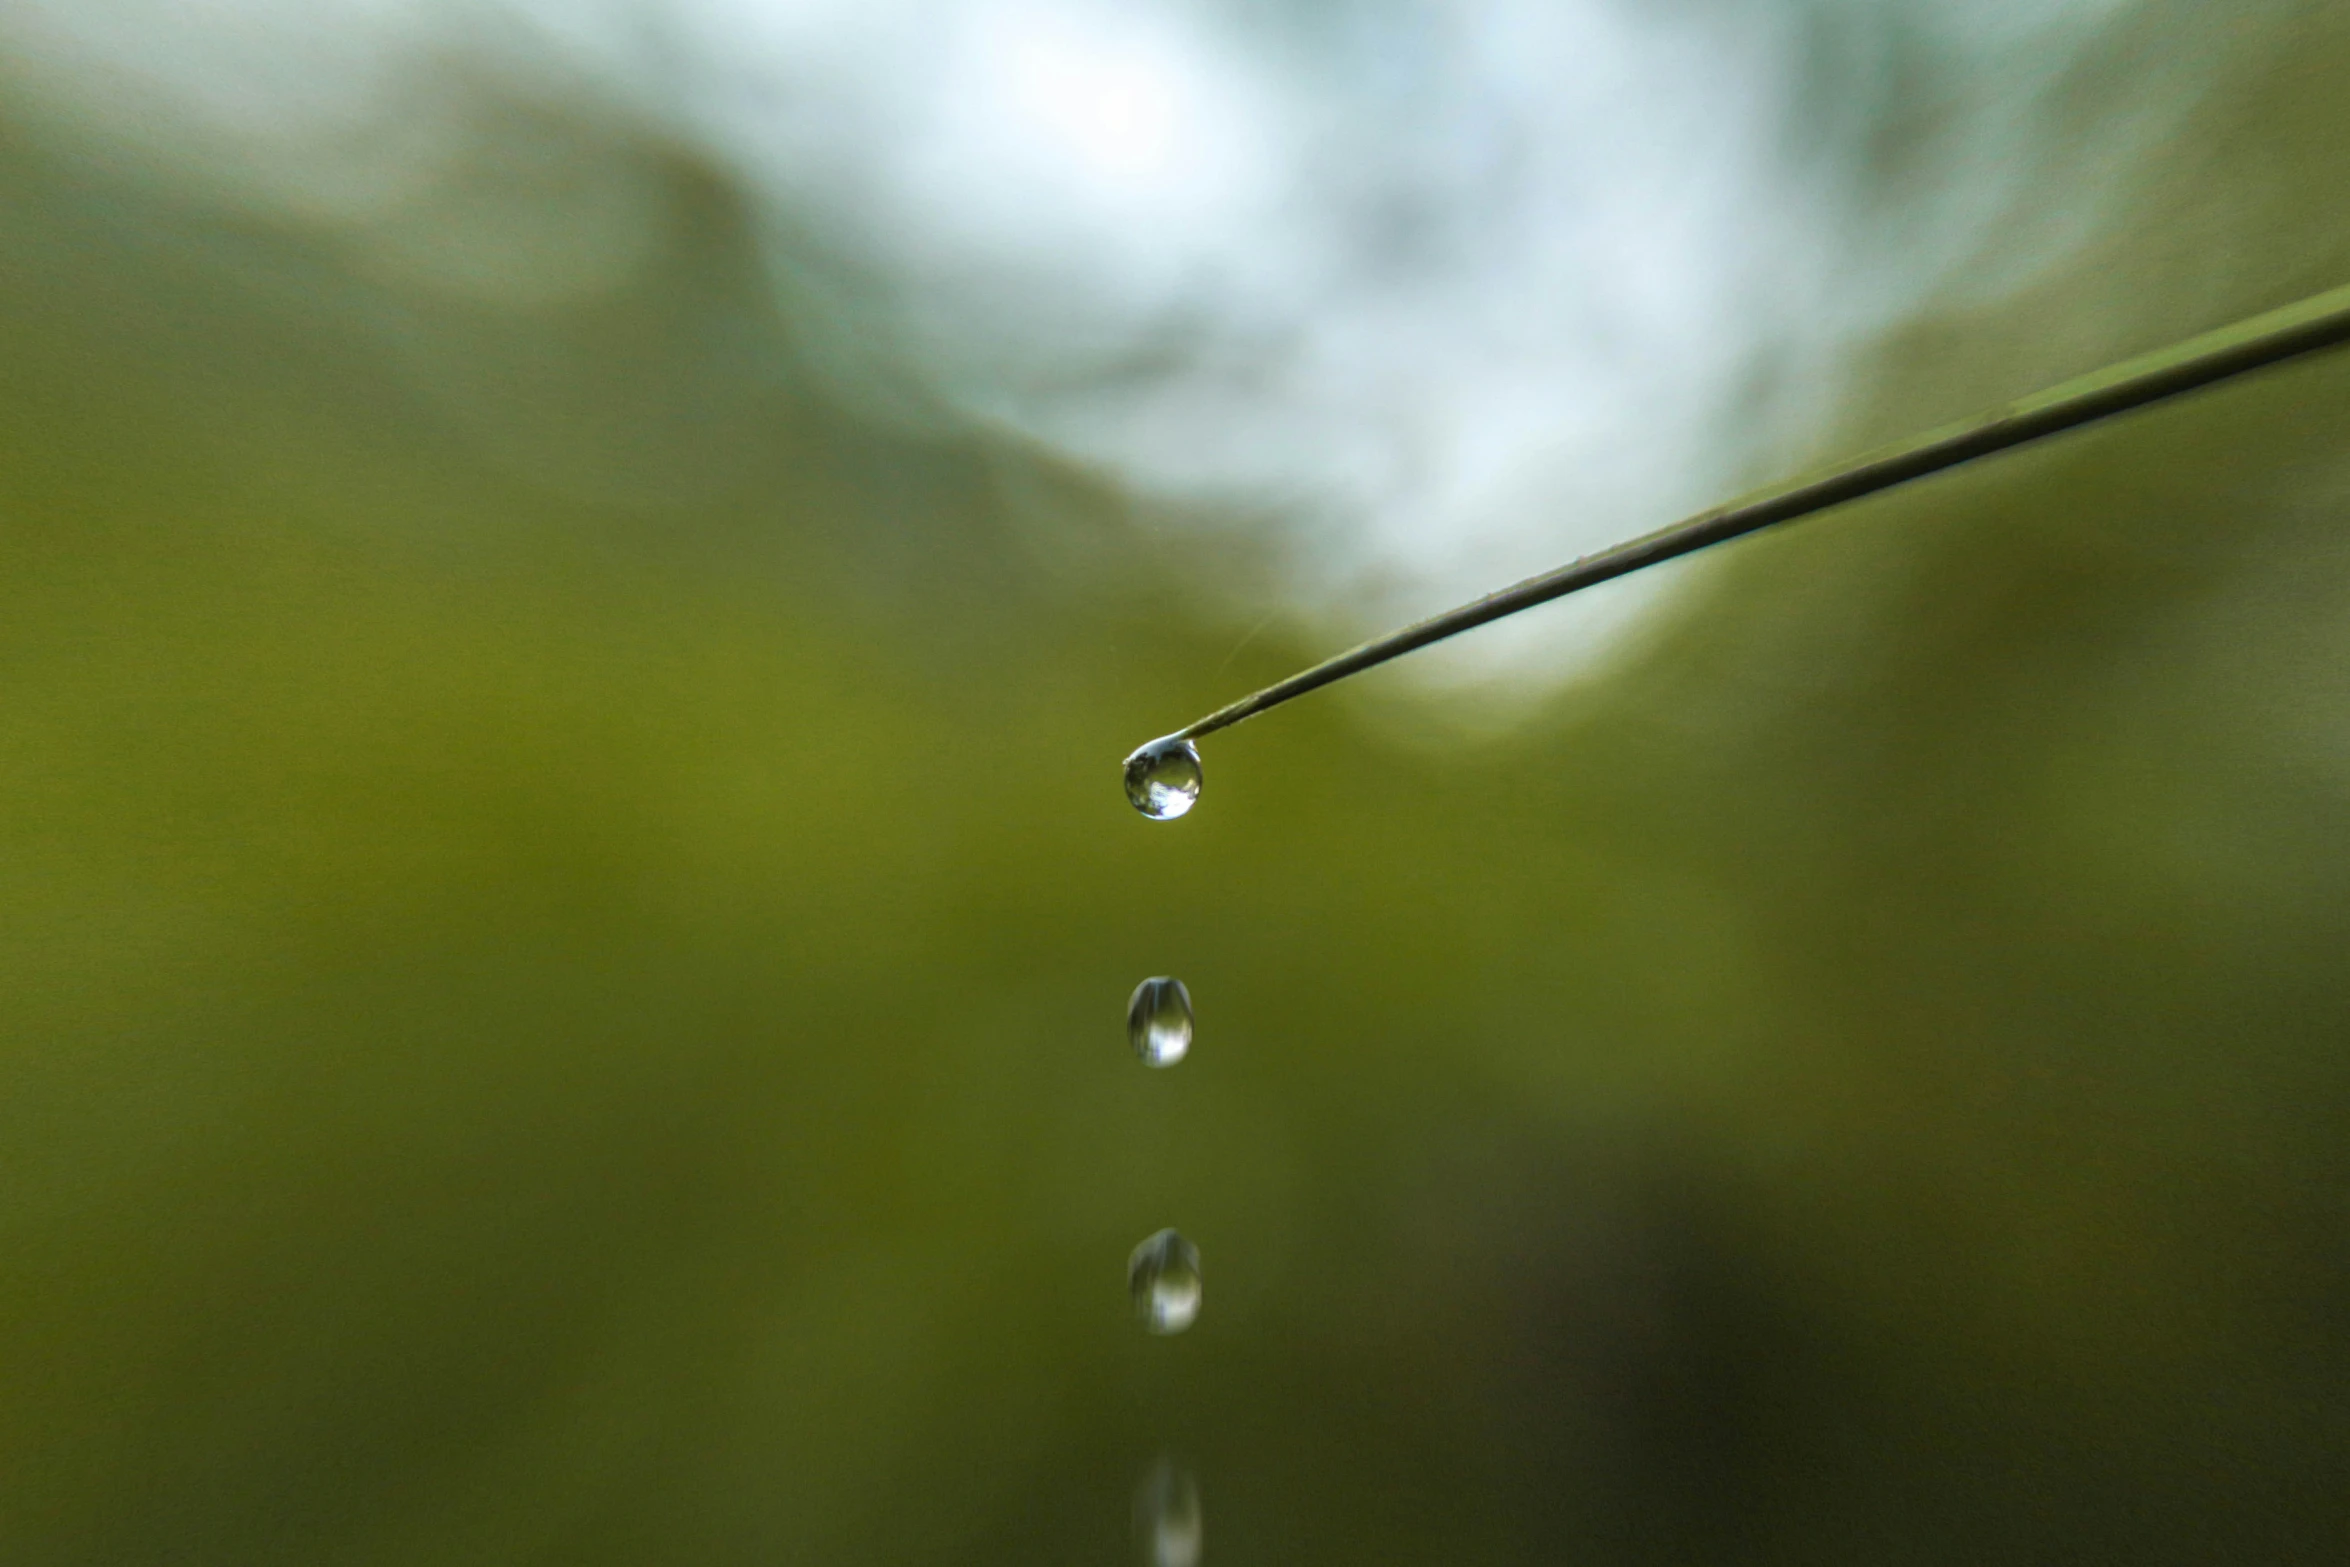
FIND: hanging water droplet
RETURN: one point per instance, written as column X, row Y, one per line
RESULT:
column 1167, row 1522
column 1163, row 1275
column 1158, row 1021
column 1163, row 778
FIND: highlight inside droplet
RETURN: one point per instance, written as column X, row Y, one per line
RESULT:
column 1163, row 778
column 1163, row 1277
column 1158, row 1021
column 1167, row 1520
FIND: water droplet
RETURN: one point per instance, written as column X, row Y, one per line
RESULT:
column 1158, row 1021
column 1163, row 778
column 1163, row 1275
column 1167, row 1516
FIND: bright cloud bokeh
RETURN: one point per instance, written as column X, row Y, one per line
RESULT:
column 1437, row 294
column 1128, row 114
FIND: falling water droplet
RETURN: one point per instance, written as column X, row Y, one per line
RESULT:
column 1163, row 1275
column 1167, row 1516
column 1158, row 1021
column 1163, row 778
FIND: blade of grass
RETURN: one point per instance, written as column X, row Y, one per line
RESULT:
column 2317, row 323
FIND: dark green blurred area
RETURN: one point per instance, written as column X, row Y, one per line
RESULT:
column 561, row 974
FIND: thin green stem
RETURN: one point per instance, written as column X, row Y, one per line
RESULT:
column 2318, row 323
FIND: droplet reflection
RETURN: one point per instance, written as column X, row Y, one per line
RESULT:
column 1163, row 1276
column 1167, row 1524
column 1163, row 778
column 1158, row 1021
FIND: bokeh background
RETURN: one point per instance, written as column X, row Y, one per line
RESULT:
column 572, row 582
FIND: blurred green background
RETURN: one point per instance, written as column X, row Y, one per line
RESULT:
column 560, row 994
